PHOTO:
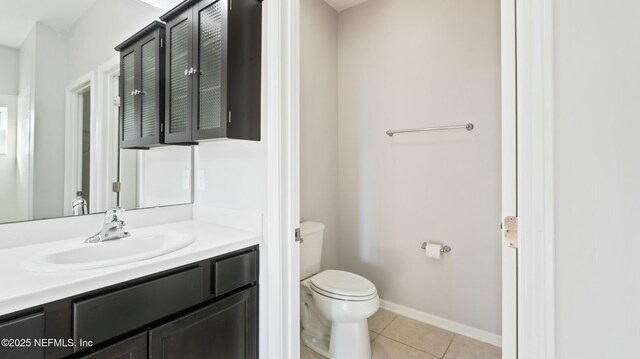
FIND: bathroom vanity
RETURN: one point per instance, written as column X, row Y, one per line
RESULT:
column 200, row 301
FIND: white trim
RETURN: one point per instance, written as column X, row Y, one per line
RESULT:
column 4, row 130
column 24, row 151
column 536, row 267
column 105, row 138
column 280, row 336
column 458, row 328
column 509, row 177
column 140, row 162
column 73, row 146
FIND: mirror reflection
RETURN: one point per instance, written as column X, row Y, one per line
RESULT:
column 59, row 78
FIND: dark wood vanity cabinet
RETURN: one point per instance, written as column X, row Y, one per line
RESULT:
column 207, row 309
column 130, row 348
column 142, row 88
column 213, row 69
column 224, row 329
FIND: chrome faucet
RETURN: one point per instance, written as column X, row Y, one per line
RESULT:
column 112, row 228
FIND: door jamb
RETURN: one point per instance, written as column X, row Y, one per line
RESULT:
column 509, row 178
column 280, row 338
column 536, row 227
column 106, row 136
column 73, row 146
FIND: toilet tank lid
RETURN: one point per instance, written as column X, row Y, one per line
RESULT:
column 311, row 227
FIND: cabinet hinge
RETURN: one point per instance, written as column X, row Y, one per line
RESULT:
column 116, row 187
column 510, row 228
column 116, row 101
column 297, row 236
column 229, row 119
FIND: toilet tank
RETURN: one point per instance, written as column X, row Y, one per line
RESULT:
column 311, row 248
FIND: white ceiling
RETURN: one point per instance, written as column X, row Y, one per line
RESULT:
column 165, row 5
column 340, row 5
column 17, row 17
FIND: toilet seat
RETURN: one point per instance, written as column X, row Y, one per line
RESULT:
column 342, row 285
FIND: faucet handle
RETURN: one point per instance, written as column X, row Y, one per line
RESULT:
column 113, row 214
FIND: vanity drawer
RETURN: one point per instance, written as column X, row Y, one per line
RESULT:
column 232, row 273
column 18, row 331
column 109, row 315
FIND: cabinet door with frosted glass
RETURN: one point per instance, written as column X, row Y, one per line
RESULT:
column 210, row 60
column 179, row 75
column 141, row 86
column 151, row 70
column 128, row 98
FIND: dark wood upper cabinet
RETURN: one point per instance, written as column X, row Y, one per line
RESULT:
column 142, row 88
column 213, row 70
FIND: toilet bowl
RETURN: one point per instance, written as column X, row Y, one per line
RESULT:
column 335, row 305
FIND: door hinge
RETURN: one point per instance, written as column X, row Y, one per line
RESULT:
column 116, row 187
column 161, row 127
column 229, row 119
column 116, row 101
column 230, row 5
column 297, row 236
column 161, row 42
column 510, row 228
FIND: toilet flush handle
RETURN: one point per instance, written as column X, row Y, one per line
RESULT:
column 298, row 237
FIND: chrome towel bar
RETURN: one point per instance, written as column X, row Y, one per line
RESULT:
column 468, row 127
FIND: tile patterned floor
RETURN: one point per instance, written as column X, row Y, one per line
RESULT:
column 397, row 337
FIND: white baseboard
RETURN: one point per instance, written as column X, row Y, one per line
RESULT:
column 458, row 328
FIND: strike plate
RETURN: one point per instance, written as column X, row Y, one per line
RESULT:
column 511, row 231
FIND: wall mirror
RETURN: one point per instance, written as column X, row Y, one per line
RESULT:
column 59, row 152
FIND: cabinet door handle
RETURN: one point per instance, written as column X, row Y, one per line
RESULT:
column 186, row 72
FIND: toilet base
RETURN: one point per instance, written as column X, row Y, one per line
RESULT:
column 350, row 341
column 319, row 346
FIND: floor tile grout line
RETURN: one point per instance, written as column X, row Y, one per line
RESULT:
column 449, row 346
column 395, row 316
column 412, row 347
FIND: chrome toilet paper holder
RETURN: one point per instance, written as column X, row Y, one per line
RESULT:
column 443, row 250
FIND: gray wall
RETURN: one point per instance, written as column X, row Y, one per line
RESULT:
column 416, row 63
column 319, row 122
column 9, row 83
column 106, row 24
column 597, row 173
column 8, row 165
column 9, row 67
column 49, row 123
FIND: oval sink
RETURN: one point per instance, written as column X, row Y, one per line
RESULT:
column 79, row 256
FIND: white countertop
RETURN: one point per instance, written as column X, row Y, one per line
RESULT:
column 22, row 289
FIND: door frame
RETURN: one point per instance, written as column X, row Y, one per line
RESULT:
column 509, row 177
column 535, row 156
column 106, row 136
column 279, row 337
column 73, row 139
column 528, row 101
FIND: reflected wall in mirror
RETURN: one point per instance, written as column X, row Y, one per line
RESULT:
column 59, row 78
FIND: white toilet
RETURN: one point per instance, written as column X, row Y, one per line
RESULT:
column 334, row 304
